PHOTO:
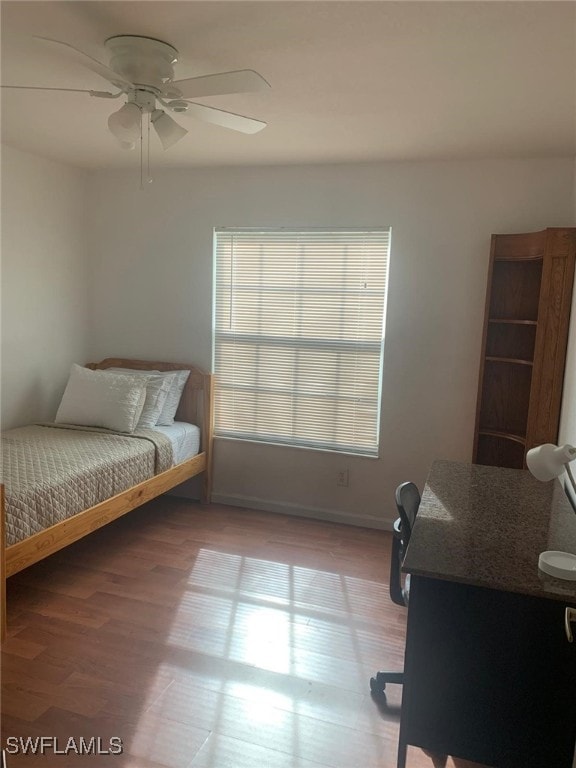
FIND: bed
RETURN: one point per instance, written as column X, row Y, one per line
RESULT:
column 158, row 459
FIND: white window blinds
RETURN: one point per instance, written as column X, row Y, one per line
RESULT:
column 299, row 328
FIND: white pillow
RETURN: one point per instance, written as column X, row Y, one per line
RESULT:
column 173, row 400
column 158, row 385
column 100, row 399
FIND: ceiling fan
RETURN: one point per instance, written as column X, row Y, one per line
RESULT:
column 142, row 68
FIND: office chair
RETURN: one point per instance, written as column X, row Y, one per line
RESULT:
column 407, row 502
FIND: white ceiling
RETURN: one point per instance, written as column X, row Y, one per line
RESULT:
column 351, row 81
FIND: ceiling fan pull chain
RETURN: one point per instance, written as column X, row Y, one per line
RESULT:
column 141, row 156
column 149, row 179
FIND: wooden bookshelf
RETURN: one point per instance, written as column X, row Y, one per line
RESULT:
column 524, row 344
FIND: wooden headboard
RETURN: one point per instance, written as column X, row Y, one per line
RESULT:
column 196, row 404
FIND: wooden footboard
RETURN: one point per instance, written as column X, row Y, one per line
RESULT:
column 195, row 407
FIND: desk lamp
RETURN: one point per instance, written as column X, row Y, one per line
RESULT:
column 547, row 462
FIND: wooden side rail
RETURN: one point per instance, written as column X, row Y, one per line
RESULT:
column 2, row 567
column 50, row 540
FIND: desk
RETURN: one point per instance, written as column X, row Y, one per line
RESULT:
column 489, row 674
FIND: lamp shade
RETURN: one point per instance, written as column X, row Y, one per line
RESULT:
column 549, row 461
column 125, row 123
column 168, row 130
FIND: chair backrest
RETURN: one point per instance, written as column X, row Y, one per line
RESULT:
column 407, row 502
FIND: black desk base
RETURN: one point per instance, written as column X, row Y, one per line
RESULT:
column 489, row 676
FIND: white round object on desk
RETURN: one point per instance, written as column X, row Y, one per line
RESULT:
column 562, row 565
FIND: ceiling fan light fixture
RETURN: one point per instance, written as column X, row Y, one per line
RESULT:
column 125, row 123
column 168, row 130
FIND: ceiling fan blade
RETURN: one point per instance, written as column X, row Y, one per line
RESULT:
column 87, row 61
column 239, row 81
column 99, row 94
column 225, row 119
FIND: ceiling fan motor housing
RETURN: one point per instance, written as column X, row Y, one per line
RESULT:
column 144, row 99
column 142, row 60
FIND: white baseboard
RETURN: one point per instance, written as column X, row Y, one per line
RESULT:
column 297, row 510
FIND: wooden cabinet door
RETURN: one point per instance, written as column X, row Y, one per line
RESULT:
column 551, row 338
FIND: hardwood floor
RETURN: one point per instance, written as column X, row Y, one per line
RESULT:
column 207, row 637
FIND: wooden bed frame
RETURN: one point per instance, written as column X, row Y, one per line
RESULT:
column 196, row 406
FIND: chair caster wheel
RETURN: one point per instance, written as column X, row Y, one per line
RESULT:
column 377, row 685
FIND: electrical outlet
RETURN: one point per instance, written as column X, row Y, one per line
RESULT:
column 342, row 478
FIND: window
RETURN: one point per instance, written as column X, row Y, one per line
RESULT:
column 299, row 331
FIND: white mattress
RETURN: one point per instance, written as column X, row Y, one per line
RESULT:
column 185, row 439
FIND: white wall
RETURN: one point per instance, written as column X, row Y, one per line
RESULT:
column 151, row 279
column 44, row 283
